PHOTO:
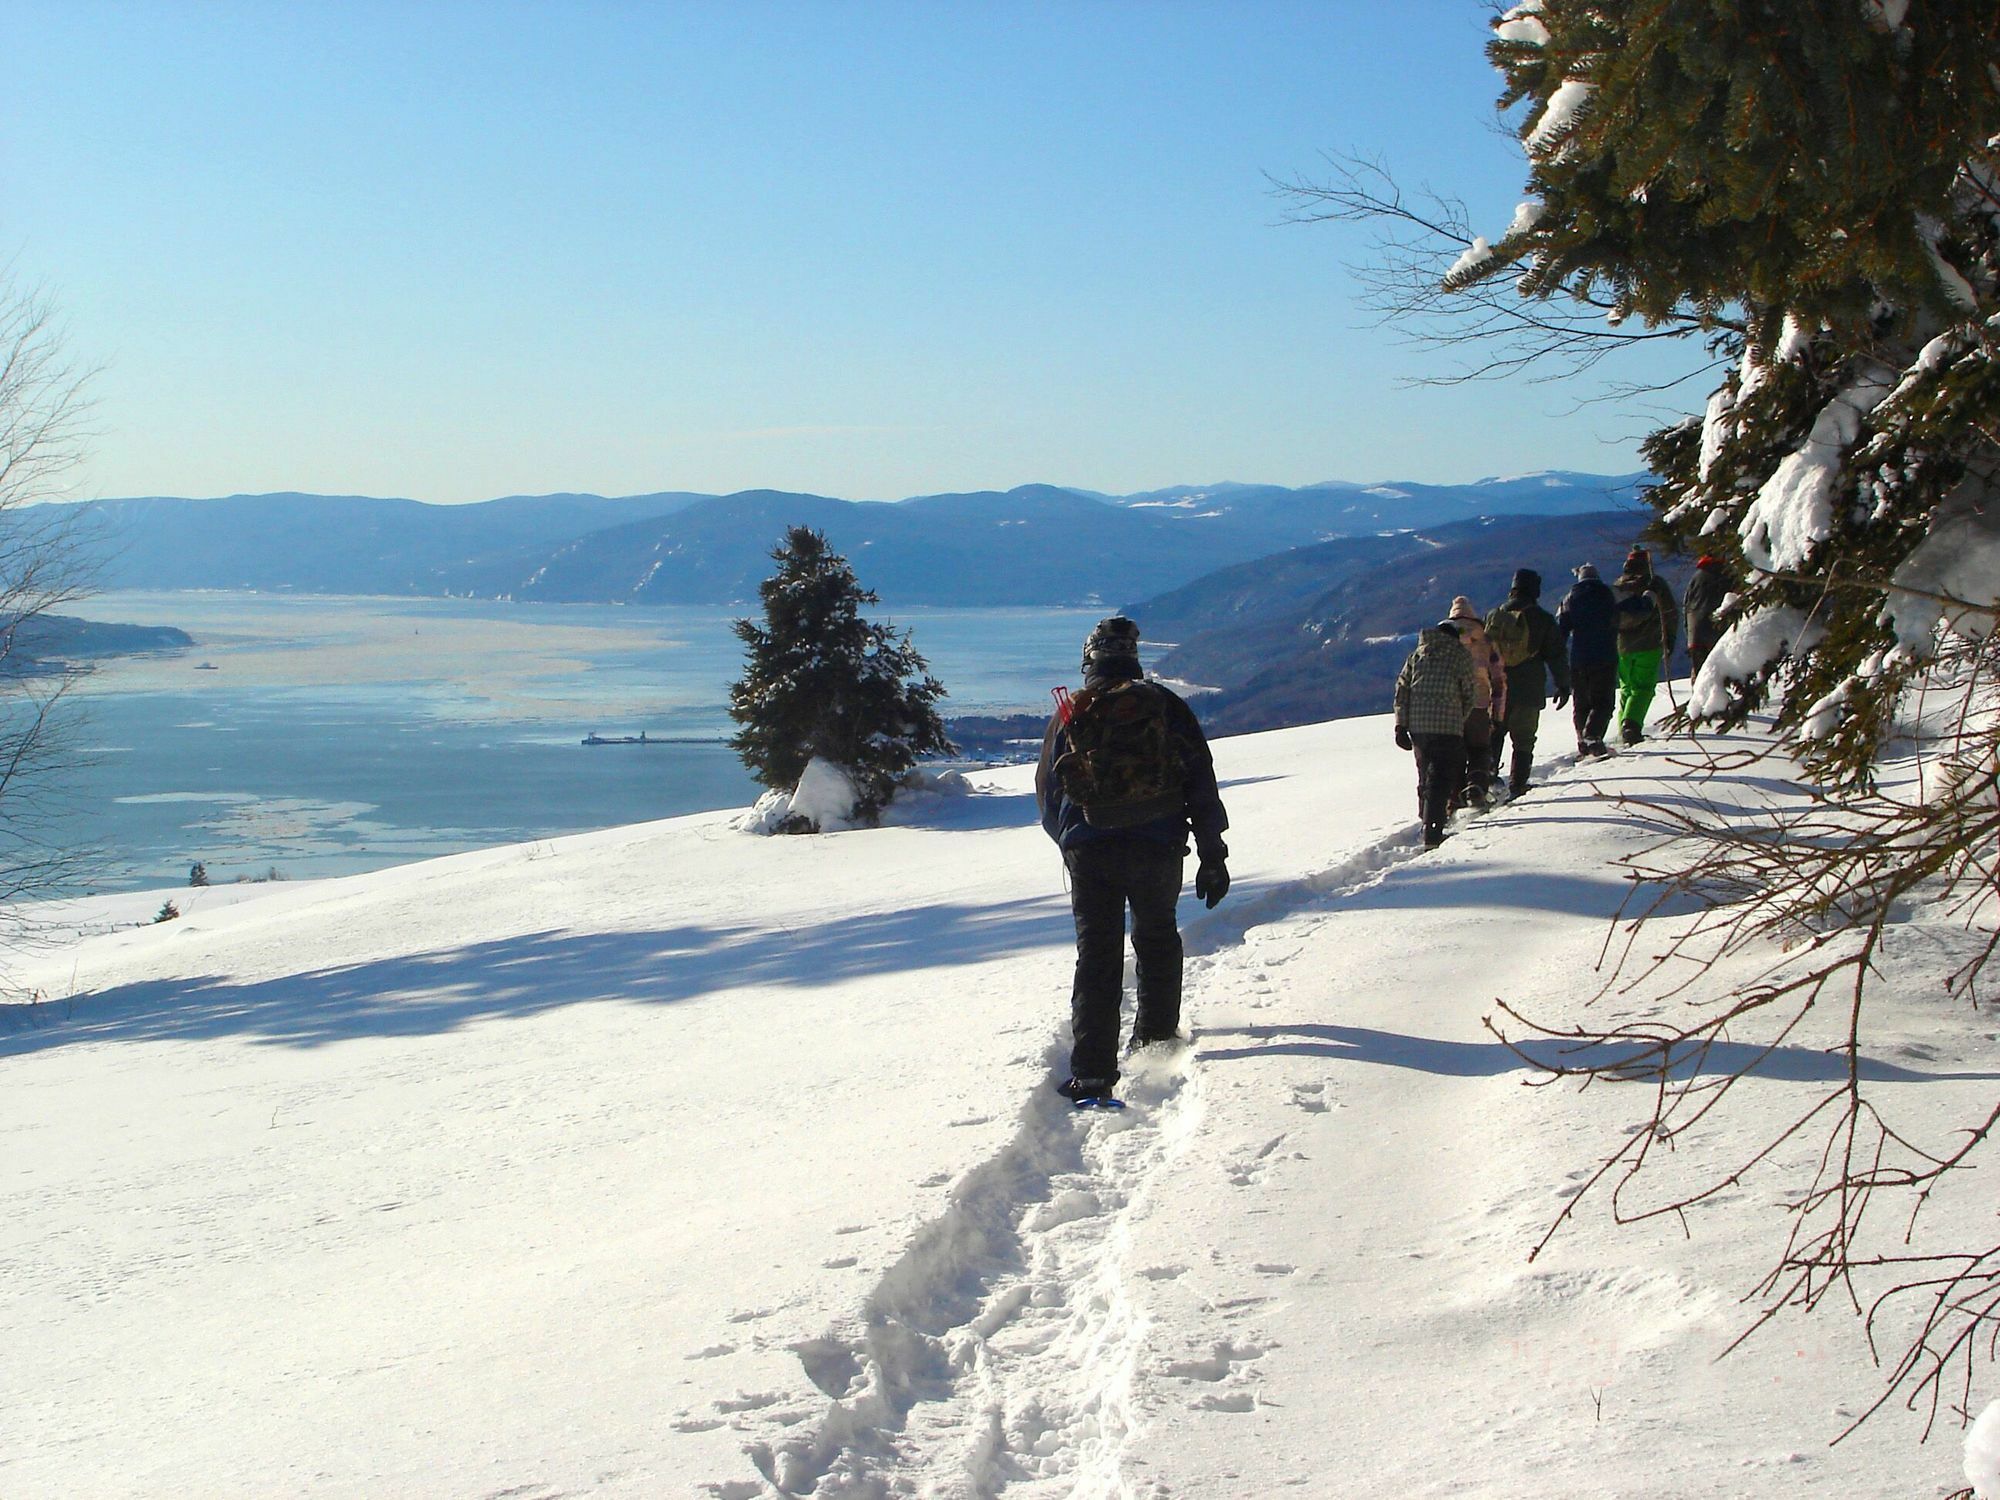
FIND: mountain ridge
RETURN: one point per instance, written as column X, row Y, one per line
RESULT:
column 1036, row 544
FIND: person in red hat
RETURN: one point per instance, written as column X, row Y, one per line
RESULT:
column 1701, row 605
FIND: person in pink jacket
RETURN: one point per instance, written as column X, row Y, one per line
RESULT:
column 1489, row 675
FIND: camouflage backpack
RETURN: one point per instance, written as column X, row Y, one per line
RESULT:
column 1122, row 765
column 1510, row 636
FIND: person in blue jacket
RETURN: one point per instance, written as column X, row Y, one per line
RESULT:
column 1588, row 619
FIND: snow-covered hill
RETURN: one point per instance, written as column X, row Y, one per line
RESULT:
column 669, row 1160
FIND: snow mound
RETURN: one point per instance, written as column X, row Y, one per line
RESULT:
column 1982, row 1454
column 826, row 798
column 823, row 802
column 1960, row 559
column 1746, row 648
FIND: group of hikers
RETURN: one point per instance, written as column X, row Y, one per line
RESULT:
column 1472, row 685
column 1126, row 779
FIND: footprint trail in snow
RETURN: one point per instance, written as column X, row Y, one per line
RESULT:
column 1006, row 1349
column 1000, row 1351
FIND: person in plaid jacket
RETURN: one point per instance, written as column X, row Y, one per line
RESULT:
column 1435, row 694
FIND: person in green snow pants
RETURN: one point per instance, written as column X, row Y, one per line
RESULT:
column 1638, row 679
column 1646, row 623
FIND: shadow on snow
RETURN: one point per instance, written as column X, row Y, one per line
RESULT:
column 427, row 993
column 1391, row 1049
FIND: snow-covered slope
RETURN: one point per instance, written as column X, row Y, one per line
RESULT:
column 673, row 1161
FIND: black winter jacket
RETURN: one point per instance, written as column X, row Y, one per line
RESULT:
column 1588, row 619
column 1704, row 596
column 1201, row 812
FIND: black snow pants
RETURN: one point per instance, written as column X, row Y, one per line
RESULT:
column 1478, row 755
column 1104, row 878
column 1595, row 689
column 1440, row 774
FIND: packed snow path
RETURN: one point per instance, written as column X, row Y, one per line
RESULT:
column 1000, row 1351
column 672, row 1161
column 1008, row 1349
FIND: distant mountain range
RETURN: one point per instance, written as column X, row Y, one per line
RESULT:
column 1035, row 545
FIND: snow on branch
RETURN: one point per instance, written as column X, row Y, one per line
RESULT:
column 1794, row 509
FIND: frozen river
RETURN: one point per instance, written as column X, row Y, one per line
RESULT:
column 324, row 736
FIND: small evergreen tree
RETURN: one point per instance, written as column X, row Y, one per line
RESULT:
column 820, row 680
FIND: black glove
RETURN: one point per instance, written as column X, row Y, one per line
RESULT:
column 1562, row 698
column 1211, row 881
column 1403, row 740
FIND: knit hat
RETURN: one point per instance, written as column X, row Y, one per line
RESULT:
column 1586, row 572
column 1528, row 584
column 1639, row 560
column 1113, row 644
column 1708, row 560
column 1461, row 609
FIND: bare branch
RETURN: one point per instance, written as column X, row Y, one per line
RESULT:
column 46, row 563
column 1416, row 242
column 1810, row 890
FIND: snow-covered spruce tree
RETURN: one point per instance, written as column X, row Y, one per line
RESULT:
column 1810, row 189
column 822, row 682
column 1818, row 183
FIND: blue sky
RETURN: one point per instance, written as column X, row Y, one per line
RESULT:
column 453, row 251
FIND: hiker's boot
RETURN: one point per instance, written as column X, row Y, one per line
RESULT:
column 1074, row 1089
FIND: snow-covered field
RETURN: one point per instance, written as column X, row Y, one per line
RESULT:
column 670, row 1160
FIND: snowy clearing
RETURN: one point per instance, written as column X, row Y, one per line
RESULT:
column 675, row 1160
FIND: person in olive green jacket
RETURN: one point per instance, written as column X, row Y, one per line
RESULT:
column 1647, row 624
column 1531, row 645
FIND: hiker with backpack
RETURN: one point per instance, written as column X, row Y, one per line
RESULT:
column 1125, row 776
column 1639, row 560
column 1588, row 619
column 1489, row 702
column 1647, row 622
column 1529, row 643
column 1701, row 605
column 1435, row 695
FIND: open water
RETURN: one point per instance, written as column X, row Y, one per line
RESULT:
column 326, row 736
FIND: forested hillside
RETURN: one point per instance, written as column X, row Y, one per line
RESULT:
column 1319, row 632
